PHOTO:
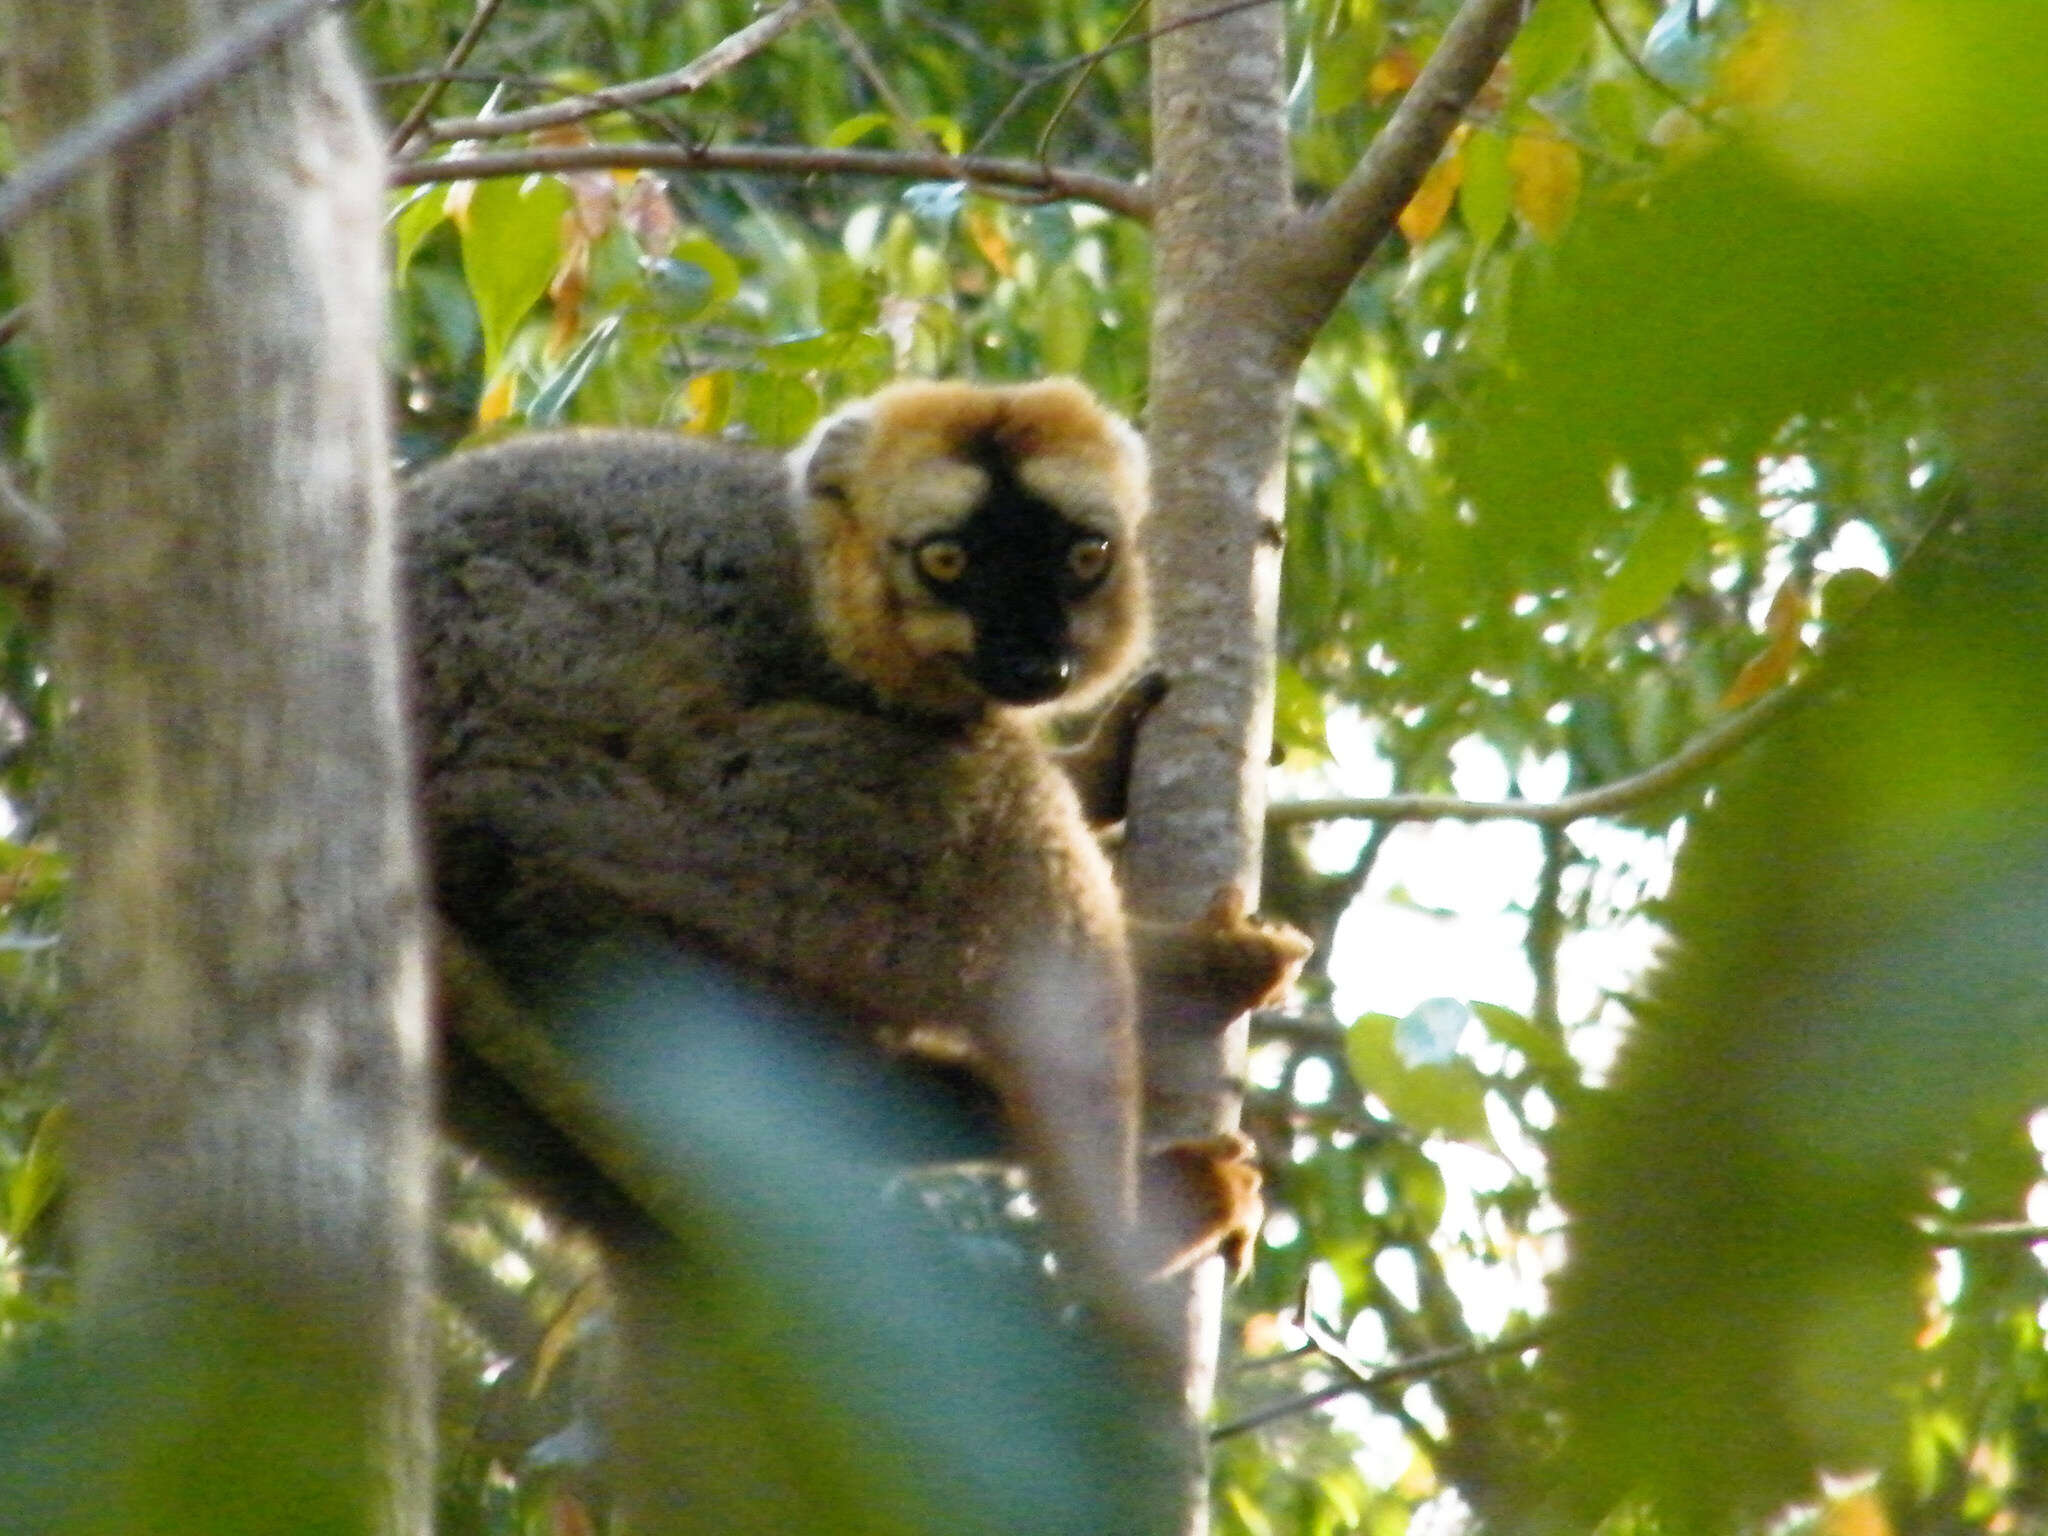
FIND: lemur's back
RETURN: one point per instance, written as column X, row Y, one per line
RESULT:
column 578, row 577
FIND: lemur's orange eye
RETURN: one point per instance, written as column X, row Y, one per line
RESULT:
column 942, row 560
column 1088, row 559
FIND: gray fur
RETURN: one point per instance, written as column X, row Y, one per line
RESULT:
column 628, row 726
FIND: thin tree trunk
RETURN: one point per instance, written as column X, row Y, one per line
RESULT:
column 1217, row 425
column 249, row 1070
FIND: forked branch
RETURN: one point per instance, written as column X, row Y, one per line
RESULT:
column 1706, row 750
column 778, row 160
column 693, row 76
column 1311, row 260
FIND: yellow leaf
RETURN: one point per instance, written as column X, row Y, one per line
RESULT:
column 1263, row 1334
column 560, row 1334
column 563, row 136
column 1773, row 664
column 568, row 286
column 496, row 403
column 986, row 231
column 1757, row 74
column 1427, row 210
column 709, row 397
column 1856, row 1514
column 1392, row 72
column 1545, row 173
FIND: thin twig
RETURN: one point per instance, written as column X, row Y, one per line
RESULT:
column 465, row 45
column 693, row 76
column 1545, row 933
column 505, row 79
column 968, row 41
column 1083, row 73
column 150, row 103
column 779, row 160
column 1304, row 268
column 1636, row 62
column 864, row 61
column 1046, row 74
column 31, row 543
column 1623, row 794
column 1252, row 1363
column 1420, row 1367
column 540, row 85
column 1977, row 1234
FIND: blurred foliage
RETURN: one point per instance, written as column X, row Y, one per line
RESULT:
column 1711, row 318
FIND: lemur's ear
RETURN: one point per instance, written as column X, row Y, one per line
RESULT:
column 830, row 456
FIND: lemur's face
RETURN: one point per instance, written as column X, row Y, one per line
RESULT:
column 974, row 546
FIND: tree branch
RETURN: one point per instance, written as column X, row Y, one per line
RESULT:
column 1421, row 1367
column 1979, row 1234
column 150, row 104
column 465, row 45
column 1119, row 40
column 778, row 160
column 693, row 76
column 1635, row 62
column 1309, row 262
column 31, row 543
column 1703, row 753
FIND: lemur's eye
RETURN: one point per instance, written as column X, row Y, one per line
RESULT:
column 942, row 560
column 1088, row 559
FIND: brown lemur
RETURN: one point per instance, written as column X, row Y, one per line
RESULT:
column 788, row 715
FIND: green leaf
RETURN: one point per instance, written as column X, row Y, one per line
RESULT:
column 556, row 392
column 1415, row 1186
column 725, row 272
column 1845, row 594
column 1653, row 567
column 946, row 131
column 617, row 275
column 1298, row 720
column 1486, row 195
column 780, row 408
column 1067, row 320
column 38, row 1176
column 1612, row 113
column 415, row 219
column 1549, row 46
column 833, row 350
column 856, row 128
column 679, row 290
column 511, row 242
column 1343, row 66
column 1547, row 1054
column 1444, row 1099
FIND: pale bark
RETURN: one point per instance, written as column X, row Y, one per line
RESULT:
column 1217, row 430
column 1242, row 284
column 251, row 1116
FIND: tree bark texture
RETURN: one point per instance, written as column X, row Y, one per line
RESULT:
column 251, row 1131
column 1242, row 284
column 1217, row 430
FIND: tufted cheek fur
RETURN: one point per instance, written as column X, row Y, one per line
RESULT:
column 904, row 654
column 1110, row 632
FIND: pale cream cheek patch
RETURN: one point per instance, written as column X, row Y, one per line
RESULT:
column 939, row 634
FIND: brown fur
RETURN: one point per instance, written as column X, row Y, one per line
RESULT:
column 682, row 694
column 890, row 470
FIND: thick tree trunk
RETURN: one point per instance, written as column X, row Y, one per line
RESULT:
column 1217, row 426
column 249, row 1077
